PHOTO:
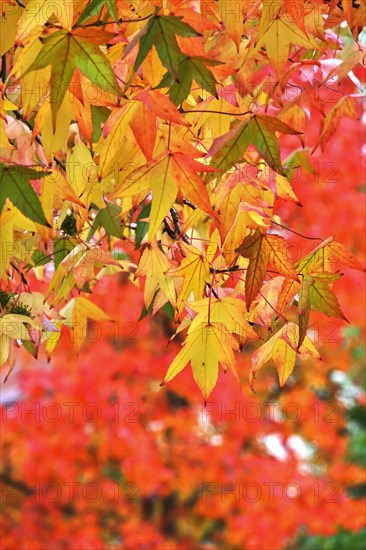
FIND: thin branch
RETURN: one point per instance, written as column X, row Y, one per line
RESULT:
column 177, row 233
column 119, row 22
column 296, row 233
column 189, row 203
column 212, row 290
column 3, row 67
column 227, row 269
column 215, row 112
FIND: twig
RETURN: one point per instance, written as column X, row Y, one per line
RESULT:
column 3, row 67
column 215, row 112
column 189, row 203
column 177, row 233
column 296, row 233
column 119, row 21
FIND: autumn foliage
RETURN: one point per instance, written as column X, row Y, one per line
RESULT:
column 181, row 185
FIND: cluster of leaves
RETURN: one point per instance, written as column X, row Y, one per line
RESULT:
column 76, row 443
column 160, row 131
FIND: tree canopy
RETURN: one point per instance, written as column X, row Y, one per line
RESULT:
column 159, row 140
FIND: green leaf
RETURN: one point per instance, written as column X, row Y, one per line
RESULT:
column 65, row 51
column 322, row 299
column 266, row 143
column 30, row 347
column 229, row 149
column 61, row 248
column 259, row 131
column 304, row 307
column 161, row 32
column 191, row 68
column 142, row 227
column 93, row 8
column 111, row 6
column 14, row 184
column 108, row 218
column 99, row 116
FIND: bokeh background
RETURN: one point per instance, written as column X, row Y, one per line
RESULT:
column 96, row 455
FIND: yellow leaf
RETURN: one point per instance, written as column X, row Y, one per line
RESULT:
column 154, row 264
column 76, row 314
column 228, row 311
column 37, row 12
column 157, row 177
column 277, row 34
column 10, row 14
column 12, row 219
column 119, row 138
column 53, row 139
column 52, row 337
column 278, row 255
column 13, row 326
column 205, row 348
column 195, row 271
column 282, row 348
column 284, row 358
column 232, row 15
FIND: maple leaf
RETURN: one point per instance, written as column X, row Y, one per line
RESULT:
column 277, row 33
column 95, row 7
column 11, row 220
column 13, row 327
column 258, row 130
column 227, row 311
column 189, row 69
column 262, row 249
column 161, row 31
column 278, row 256
column 280, row 186
column 76, row 313
column 65, row 51
column 109, row 219
column 346, row 106
column 14, row 184
column 265, row 306
column 321, row 296
column 233, row 18
column 195, row 271
column 328, row 257
column 132, row 169
column 37, row 12
column 84, row 269
column 154, row 265
column 282, row 349
column 205, row 348
column 163, row 175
